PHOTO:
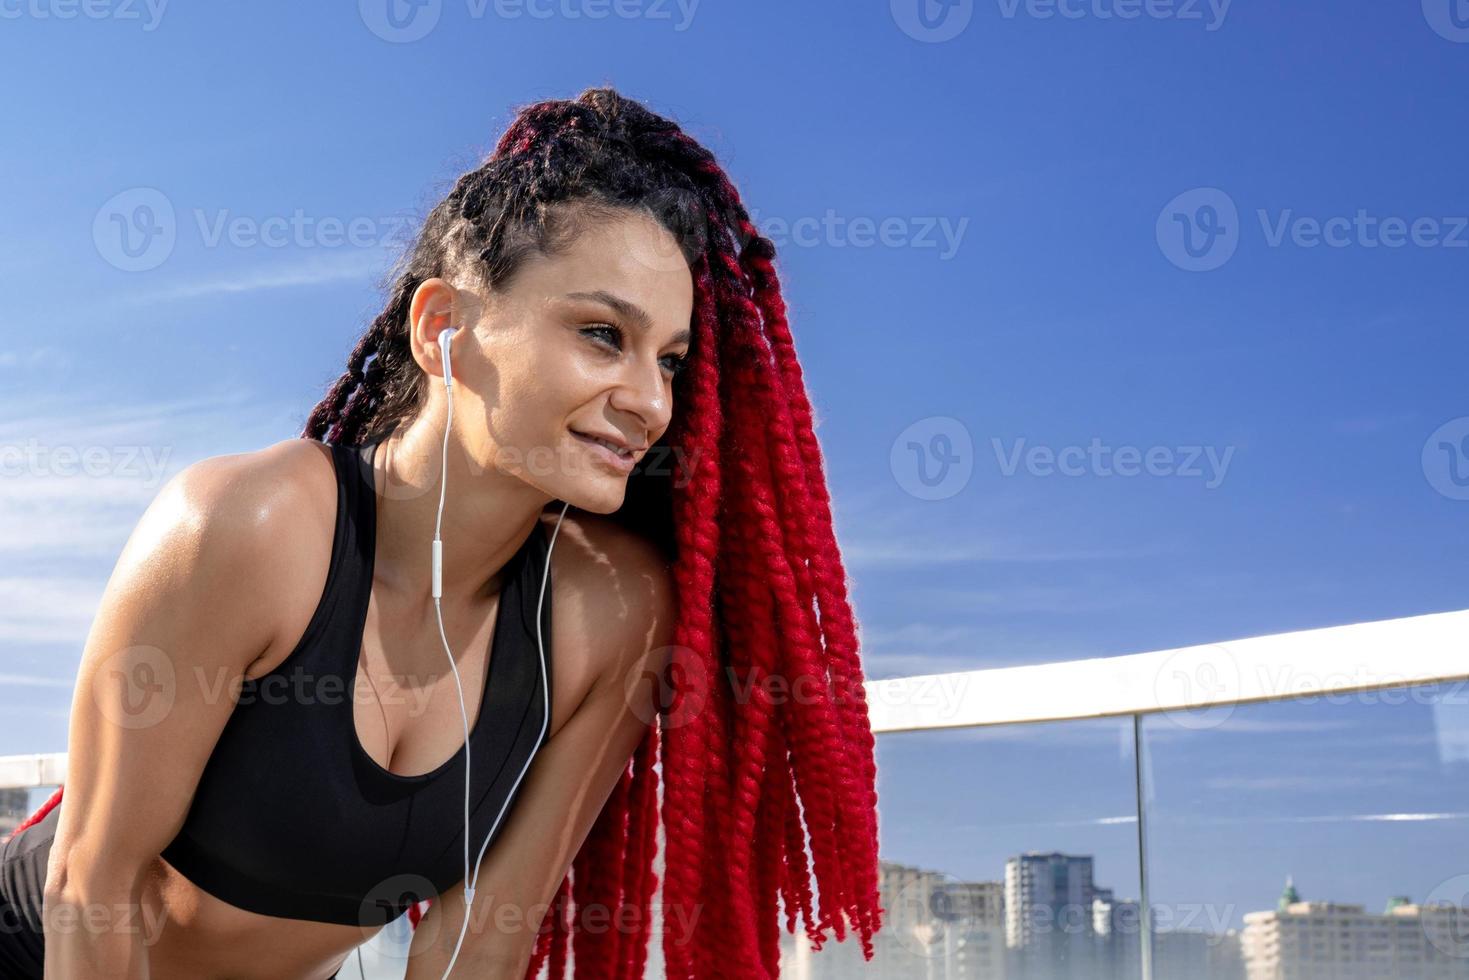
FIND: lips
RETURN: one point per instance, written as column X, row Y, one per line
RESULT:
column 614, row 457
column 615, row 447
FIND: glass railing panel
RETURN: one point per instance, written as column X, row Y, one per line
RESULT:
column 1312, row 837
column 1006, row 852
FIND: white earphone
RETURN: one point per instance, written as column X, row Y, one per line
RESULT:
column 445, row 339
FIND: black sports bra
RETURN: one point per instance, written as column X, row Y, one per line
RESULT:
column 293, row 818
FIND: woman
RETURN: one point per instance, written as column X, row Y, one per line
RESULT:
column 621, row 354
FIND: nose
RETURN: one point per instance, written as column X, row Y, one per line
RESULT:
column 646, row 393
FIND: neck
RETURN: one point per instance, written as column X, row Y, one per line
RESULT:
column 487, row 513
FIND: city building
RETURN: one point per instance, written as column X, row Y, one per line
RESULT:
column 1049, row 916
column 1315, row 940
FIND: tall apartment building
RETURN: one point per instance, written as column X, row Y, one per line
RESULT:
column 1302, row 940
column 1049, row 917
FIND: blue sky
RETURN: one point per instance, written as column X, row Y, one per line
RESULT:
column 1095, row 230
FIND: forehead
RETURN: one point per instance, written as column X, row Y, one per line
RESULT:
column 629, row 254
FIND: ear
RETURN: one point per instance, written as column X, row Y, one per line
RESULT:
column 435, row 307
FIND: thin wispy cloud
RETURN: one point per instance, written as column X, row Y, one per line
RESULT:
column 1406, row 817
column 78, row 475
column 33, row 680
column 316, row 270
column 35, row 359
column 1083, row 822
column 1088, row 594
column 919, row 648
column 1297, row 784
column 48, row 609
column 1161, row 727
column 903, row 550
column 881, row 528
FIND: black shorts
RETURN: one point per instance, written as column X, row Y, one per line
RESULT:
column 23, row 861
column 22, row 883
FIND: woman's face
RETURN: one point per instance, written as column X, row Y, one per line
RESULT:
column 579, row 345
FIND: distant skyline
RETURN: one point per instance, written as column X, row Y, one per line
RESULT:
column 1109, row 341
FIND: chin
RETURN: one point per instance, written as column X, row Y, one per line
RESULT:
column 605, row 497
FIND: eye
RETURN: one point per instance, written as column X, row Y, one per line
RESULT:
column 611, row 337
column 602, row 329
column 677, row 363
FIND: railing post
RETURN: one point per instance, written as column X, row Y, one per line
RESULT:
column 1146, row 918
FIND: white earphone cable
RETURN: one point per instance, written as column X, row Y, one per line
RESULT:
column 445, row 339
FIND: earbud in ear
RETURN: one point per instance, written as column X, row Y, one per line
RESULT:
column 446, row 336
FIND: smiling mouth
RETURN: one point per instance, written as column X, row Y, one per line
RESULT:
column 626, row 454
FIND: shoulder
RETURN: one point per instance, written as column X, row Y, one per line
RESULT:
column 614, row 589
column 259, row 522
column 210, row 568
column 259, row 501
column 250, row 500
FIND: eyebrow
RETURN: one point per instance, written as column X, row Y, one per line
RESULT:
column 627, row 310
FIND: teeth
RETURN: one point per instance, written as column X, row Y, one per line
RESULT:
column 603, row 442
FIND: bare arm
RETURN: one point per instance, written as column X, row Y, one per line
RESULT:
column 181, row 619
column 564, row 790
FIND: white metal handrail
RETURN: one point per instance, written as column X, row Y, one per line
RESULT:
column 1333, row 660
